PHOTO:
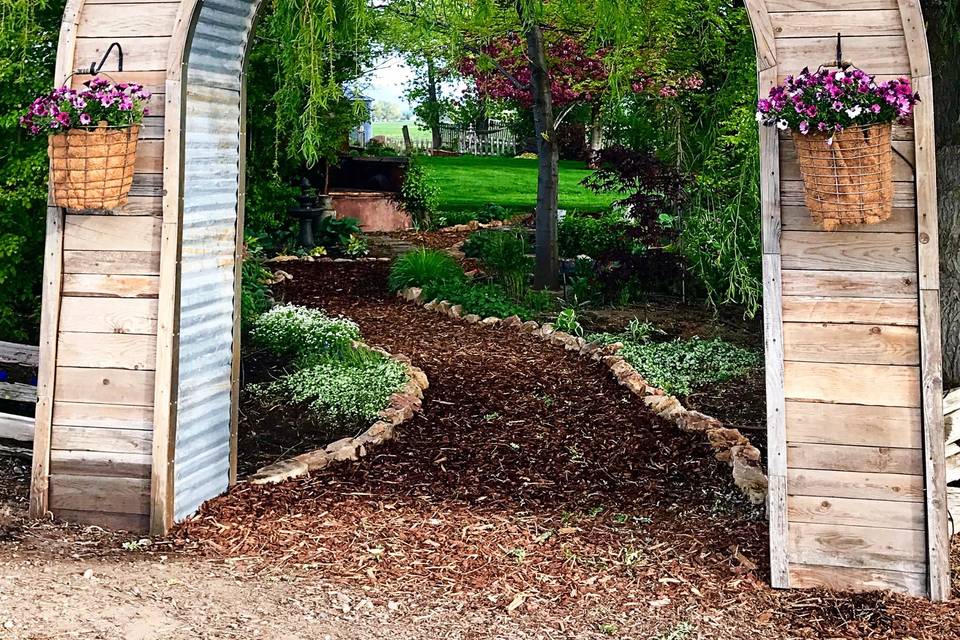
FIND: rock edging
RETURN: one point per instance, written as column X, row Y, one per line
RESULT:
column 403, row 406
column 729, row 444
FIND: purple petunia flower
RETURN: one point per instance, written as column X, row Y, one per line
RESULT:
column 85, row 118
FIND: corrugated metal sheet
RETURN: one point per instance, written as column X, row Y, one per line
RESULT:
column 210, row 187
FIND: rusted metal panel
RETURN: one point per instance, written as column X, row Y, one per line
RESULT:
column 211, row 178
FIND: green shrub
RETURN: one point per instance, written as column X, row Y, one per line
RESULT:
column 595, row 236
column 336, row 234
column 680, row 366
column 254, row 292
column 420, row 193
column 305, row 334
column 482, row 299
column 424, row 267
column 349, row 394
column 567, row 321
column 504, row 256
column 490, row 212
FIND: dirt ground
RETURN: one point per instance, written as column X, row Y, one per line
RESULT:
column 533, row 498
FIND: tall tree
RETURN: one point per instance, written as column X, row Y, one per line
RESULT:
column 943, row 33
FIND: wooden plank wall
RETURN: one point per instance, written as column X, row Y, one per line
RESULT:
column 102, row 415
column 854, row 403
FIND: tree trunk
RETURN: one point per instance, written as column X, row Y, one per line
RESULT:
column 596, row 131
column 433, row 98
column 547, row 271
column 944, row 50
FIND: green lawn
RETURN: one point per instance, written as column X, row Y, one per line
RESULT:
column 395, row 130
column 470, row 182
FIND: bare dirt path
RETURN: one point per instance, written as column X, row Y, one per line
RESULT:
column 532, row 499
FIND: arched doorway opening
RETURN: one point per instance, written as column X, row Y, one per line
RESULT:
column 187, row 211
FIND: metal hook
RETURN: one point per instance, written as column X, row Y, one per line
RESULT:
column 839, row 51
column 95, row 68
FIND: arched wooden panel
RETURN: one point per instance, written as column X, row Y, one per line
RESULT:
column 852, row 331
column 851, row 318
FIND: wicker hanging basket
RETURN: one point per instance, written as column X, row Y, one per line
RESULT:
column 93, row 168
column 851, row 180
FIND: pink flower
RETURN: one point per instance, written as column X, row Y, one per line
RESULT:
column 85, row 118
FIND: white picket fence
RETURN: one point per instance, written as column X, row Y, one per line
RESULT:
column 16, row 432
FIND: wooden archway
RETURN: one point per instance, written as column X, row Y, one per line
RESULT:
column 136, row 414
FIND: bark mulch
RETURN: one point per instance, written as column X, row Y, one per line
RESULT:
column 531, row 484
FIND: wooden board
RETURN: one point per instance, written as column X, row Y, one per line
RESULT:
column 139, row 54
column 111, row 233
column 851, row 343
column 792, row 194
column 886, row 54
column 104, row 386
column 108, row 351
column 102, row 440
column 865, row 311
column 107, row 20
column 855, row 512
column 94, row 493
column 828, row 5
column 112, row 262
column 100, row 464
column 87, row 414
column 850, row 284
column 19, row 428
column 853, row 579
column 112, row 286
column 863, row 547
column 797, row 218
column 109, row 315
column 881, row 385
column 820, row 423
column 18, row 392
column 850, row 484
column 804, row 24
column 858, row 459
column 851, row 251
column 23, row 354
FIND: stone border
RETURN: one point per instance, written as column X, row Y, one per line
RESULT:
column 403, row 406
column 729, row 445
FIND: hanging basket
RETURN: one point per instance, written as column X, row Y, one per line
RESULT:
column 849, row 181
column 93, row 168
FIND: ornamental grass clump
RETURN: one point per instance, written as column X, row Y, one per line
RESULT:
column 424, row 267
column 841, row 122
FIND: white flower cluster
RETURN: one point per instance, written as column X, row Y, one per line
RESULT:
column 295, row 330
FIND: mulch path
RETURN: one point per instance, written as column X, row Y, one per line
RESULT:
column 532, row 484
column 431, row 239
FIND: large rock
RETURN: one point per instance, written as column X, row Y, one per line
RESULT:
column 280, row 472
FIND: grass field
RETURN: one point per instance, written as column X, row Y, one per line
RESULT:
column 470, row 182
column 395, row 130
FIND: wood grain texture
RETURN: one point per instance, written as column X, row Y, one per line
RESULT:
column 792, row 194
column 851, row 343
column 861, row 459
column 102, row 440
column 108, row 20
column 110, row 286
column 763, row 35
column 797, row 218
column 863, row 547
column 887, row 54
column 850, row 284
column 880, row 385
column 93, row 493
column 87, row 414
column 24, row 354
column 852, row 579
column 132, row 522
column 18, row 392
column 863, row 311
column 829, row 5
column 112, row 262
column 807, row 24
column 104, row 386
column 100, row 464
column 139, row 53
column 849, row 484
column 857, row 513
column 107, row 233
column 108, row 351
column 849, row 251
column 19, row 428
column 109, row 315
column 817, row 423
